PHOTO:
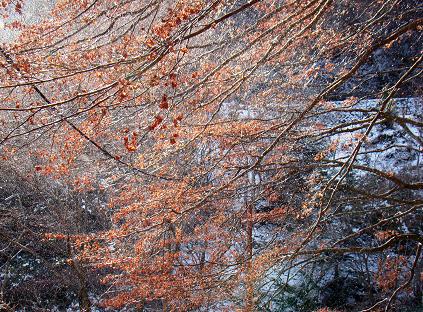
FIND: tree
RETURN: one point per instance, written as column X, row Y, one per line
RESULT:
column 206, row 122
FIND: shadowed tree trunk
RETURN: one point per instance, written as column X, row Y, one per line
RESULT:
column 249, row 300
column 83, row 296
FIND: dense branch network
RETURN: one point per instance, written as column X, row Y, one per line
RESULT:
column 201, row 113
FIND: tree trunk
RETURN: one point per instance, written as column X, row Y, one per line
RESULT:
column 249, row 300
column 84, row 299
column 417, row 283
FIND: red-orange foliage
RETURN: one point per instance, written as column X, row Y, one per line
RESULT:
column 180, row 83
